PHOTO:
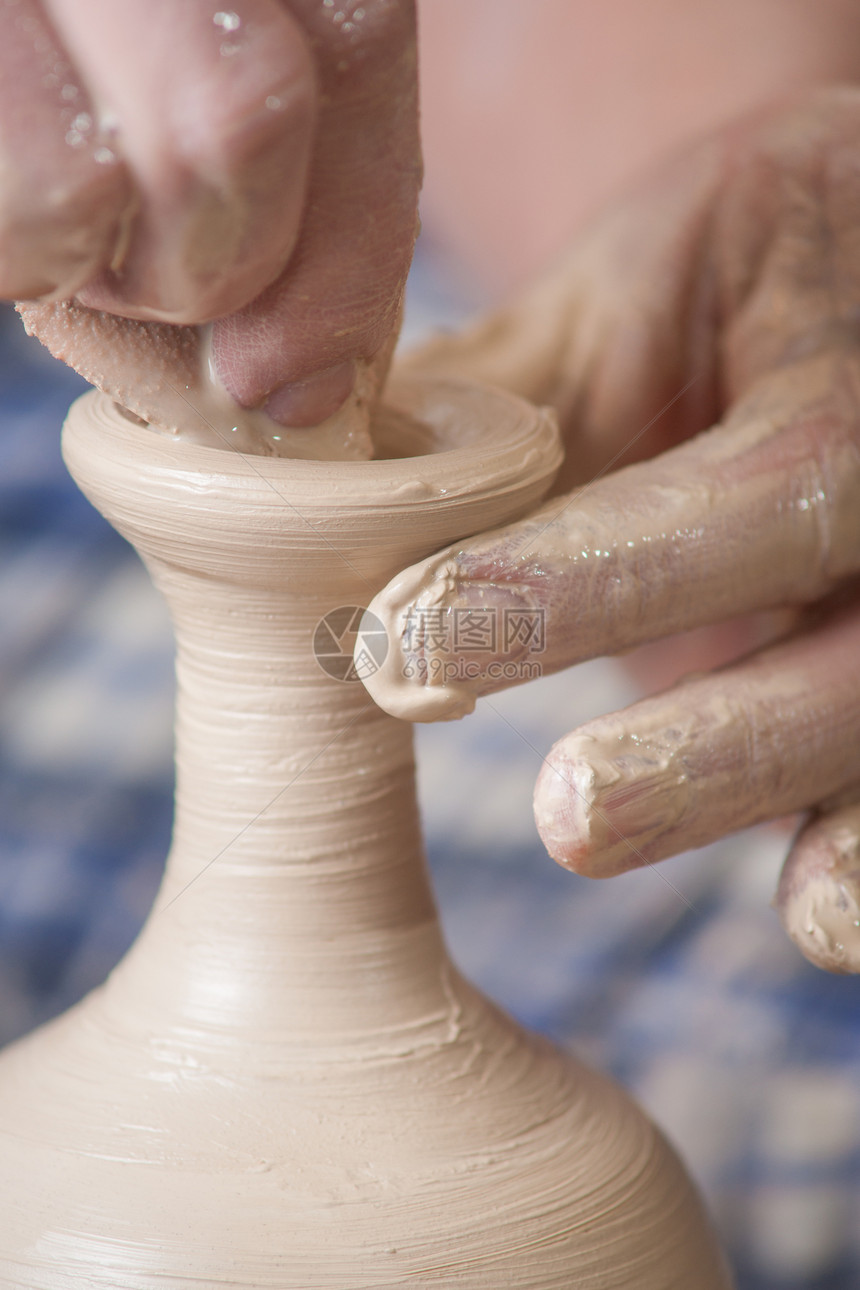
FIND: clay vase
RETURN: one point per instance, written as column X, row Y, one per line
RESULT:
column 286, row 1083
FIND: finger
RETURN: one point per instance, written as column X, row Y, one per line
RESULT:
column 296, row 347
column 140, row 364
column 759, row 513
column 727, row 263
column 818, row 897
column 214, row 113
column 63, row 192
column 616, row 328
column 774, row 734
column 159, row 372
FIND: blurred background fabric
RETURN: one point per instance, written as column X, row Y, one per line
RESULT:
column 677, row 978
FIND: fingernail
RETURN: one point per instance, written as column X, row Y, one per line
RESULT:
column 604, row 803
column 561, row 800
column 314, row 399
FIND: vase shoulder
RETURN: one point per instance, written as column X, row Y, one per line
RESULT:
column 480, row 1157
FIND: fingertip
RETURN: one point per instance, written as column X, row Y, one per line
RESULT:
column 818, row 895
column 554, row 807
column 605, row 805
column 565, row 818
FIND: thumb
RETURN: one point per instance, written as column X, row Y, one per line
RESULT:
column 297, row 347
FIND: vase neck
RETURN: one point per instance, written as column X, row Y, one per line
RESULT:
column 277, row 760
column 295, row 893
column 295, row 909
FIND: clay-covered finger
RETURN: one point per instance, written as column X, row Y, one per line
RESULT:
column 758, row 513
column 776, row 733
column 297, row 346
column 213, row 110
column 818, row 897
column 64, row 193
column 160, row 373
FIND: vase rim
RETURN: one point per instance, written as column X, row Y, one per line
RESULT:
column 480, row 439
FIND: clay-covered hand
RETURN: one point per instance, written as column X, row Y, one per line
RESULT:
column 180, row 162
column 708, row 331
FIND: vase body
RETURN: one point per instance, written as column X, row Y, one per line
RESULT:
column 286, row 1083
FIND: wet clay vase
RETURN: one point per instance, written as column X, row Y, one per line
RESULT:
column 286, row 1083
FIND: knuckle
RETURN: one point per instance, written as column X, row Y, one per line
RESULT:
column 54, row 237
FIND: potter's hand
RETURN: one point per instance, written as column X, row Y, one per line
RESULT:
column 184, row 163
column 727, row 295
